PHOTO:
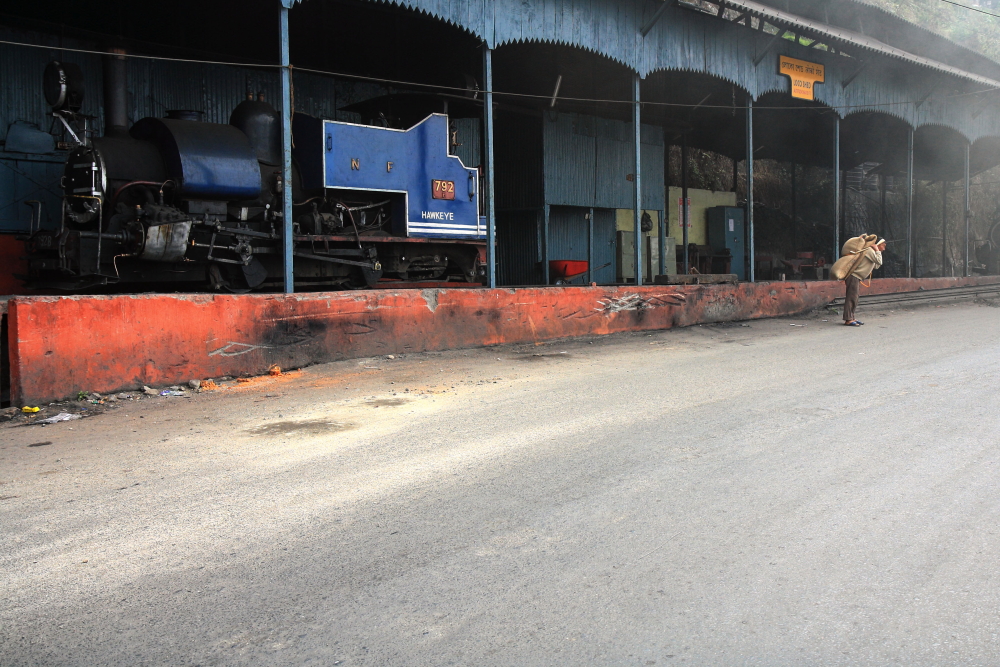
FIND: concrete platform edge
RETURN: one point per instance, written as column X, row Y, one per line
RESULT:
column 60, row 345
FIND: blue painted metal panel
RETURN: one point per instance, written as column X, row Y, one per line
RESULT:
column 570, row 160
column 604, row 269
column 468, row 136
column 362, row 157
column 588, row 162
column 207, row 160
column 25, row 178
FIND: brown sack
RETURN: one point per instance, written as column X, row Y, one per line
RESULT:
column 843, row 267
column 852, row 255
column 858, row 243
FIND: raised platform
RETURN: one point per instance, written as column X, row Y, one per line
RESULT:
column 60, row 345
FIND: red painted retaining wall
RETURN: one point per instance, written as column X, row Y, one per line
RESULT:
column 59, row 345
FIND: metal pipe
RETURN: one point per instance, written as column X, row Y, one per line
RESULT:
column 115, row 94
column 637, row 184
column 968, row 209
column 286, row 151
column 491, row 226
column 909, row 203
column 662, row 230
column 881, row 205
column 795, row 239
column 545, row 243
column 836, row 188
column 590, row 246
column 944, row 226
column 685, row 219
column 555, row 93
column 750, row 245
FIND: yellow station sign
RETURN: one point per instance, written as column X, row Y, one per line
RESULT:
column 804, row 75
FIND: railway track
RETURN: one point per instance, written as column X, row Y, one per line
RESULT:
column 930, row 296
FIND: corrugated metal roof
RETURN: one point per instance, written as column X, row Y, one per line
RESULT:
column 853, row 38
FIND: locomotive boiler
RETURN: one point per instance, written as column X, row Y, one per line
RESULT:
column 180, row 203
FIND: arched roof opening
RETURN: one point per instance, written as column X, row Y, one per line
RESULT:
column 561, row 78
column 984, row 154
column 793, row 130
column 709, row 111
column 874, row 136
column 938, row 153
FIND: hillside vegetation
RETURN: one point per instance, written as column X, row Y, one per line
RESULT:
column 967, row 27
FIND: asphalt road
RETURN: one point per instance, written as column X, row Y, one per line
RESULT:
column 788, row 492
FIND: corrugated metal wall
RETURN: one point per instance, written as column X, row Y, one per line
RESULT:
column 588, row 161
column 518, row 248
column 469, row 136
column 604, row 247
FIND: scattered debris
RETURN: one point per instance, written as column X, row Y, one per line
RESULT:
column 208, row 385
column 173, row 392
column 241, row 380
column 194, row 384
column 274, row 370
column 40, row 444
column 124, row 396
column 7, row 414
column 390, row 356
column 149, row 392
column 29, row 410
column 61, row 417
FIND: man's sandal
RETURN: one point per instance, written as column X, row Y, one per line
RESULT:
column 853, row 323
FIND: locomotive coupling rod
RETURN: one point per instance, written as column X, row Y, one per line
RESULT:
column 120, row 236
column 335, row 260
column 245, row 232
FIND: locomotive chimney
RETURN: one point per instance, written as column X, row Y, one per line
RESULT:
column 115, row 95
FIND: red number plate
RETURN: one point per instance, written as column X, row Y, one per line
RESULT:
column 442, row 189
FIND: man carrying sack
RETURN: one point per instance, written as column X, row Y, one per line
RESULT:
column 861, row 255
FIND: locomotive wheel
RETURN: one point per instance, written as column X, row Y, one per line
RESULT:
column 254, row 273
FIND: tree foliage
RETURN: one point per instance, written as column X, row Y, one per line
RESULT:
column 972, row 29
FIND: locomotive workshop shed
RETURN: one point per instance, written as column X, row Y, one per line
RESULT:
column 571, row 81
column 586, row 99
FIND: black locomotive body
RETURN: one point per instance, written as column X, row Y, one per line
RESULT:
column 181, row 204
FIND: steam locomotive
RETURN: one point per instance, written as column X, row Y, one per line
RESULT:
column 187, row 204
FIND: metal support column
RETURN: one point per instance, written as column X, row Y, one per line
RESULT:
column 968, row 211
column 836, row 188
column 750, row 245
column 545, row 243
column 491, row 227
column 590, row 247
column 909, row 203
column 795, row 239
column 637, row 183
column 881, row 206
column 944, row 226
column 685, row 217
column 662, row 231
column 286, row 146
